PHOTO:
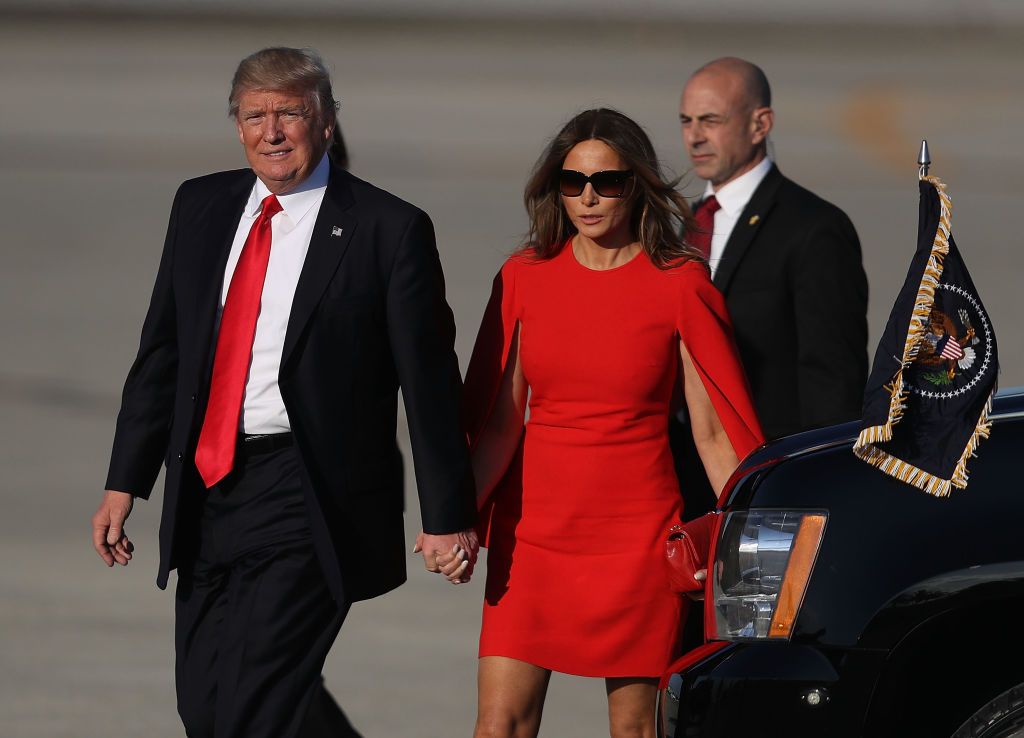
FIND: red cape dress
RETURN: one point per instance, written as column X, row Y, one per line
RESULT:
column 576, row 572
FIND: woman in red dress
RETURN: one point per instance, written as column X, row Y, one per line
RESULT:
column 590, row 330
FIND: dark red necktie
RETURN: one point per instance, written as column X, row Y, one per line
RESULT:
column 215, row 454
column 701, row 238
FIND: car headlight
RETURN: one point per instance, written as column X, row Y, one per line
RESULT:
column 763, row 562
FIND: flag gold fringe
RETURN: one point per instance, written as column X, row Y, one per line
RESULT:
column 865, row 447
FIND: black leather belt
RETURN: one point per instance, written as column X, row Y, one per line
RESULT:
column 263, row 443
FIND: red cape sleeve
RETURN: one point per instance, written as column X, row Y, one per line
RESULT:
column 706, row 331
column 486, row 368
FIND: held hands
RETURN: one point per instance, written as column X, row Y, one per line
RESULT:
column 452, row 555
column 108, row 534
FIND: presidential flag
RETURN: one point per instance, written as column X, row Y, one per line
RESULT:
column 927, row 399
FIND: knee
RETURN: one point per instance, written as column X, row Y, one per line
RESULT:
column 633, row 726
column 500, row 724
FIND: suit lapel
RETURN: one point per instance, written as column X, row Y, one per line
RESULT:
column 332, row 233
column 215, row 236
column 750, row 222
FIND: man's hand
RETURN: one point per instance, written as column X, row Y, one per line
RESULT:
column 453, row 554
column 108, row 534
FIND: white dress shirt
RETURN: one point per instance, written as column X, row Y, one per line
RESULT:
column 263, row 409
column 733, row 197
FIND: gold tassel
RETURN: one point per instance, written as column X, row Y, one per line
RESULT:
column 981, row 431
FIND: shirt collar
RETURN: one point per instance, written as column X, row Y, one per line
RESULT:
column 296, row 203
column 735, row 195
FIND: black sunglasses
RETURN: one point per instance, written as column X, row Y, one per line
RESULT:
column 609, row 183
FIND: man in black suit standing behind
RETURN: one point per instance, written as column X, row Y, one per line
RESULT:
column 788, row 262
column 291, row 302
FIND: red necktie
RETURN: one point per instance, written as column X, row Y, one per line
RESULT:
column 701, row 238
column 215, row 454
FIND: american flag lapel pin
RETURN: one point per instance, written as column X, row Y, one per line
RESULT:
column 336, row 231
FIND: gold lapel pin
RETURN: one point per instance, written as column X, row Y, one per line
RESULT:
column 753, row 219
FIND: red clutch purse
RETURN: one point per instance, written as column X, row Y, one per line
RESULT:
column 686, row 550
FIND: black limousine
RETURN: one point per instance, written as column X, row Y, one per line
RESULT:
column 843, row 602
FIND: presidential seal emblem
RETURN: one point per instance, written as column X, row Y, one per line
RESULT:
column 955, row 352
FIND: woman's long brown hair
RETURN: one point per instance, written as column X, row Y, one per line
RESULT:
column 660, row 215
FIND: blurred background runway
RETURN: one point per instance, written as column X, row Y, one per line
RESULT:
column 103, row 114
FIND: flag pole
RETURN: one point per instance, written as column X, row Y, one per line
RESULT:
column 924, row 160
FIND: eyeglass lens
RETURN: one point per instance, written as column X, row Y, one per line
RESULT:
column 609, row 183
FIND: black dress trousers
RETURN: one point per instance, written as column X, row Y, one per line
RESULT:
column 254, row 619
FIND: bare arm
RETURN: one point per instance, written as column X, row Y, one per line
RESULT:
column 713, row 445
column 499, row 438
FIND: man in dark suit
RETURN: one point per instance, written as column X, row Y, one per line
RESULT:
column 787, row 261
column 291, row 303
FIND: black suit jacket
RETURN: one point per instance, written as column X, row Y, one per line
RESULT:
column 794, row 282
column 369, row 315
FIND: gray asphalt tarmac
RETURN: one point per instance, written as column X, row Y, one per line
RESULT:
column 100, row 121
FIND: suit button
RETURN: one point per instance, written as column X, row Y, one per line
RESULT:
column 181, row 457
column 193, row 398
